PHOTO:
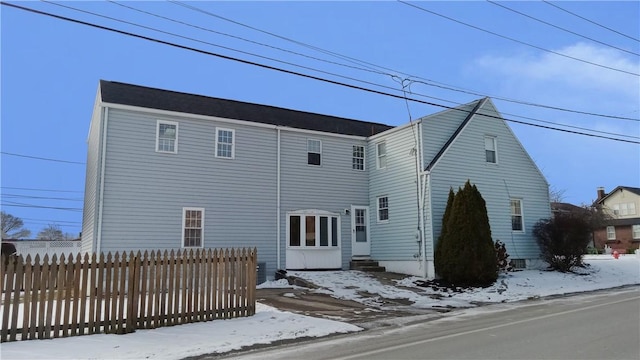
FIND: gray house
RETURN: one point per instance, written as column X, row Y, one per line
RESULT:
column 169, row 170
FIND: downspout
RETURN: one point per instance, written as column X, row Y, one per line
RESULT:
column 422, row 185
column 427, row 186
column 103, row 156
column 278, row 202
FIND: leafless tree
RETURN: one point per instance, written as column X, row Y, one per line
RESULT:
column 12, row 227
column 555, row 194
column 51, row 232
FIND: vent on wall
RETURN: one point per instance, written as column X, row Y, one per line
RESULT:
column 519, row 263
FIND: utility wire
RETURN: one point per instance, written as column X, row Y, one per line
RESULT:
column 34, row 189
column 591, row 21
column 516, row 40
column 428, row 82
column 41, row 158
column 242, row 39
column 53, row 221
column 560, row 28
column 17, row 204
column 264, row 66
column 39, row 197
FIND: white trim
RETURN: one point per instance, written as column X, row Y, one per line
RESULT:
column 367, row 225
column 313, row 152
column 633, row 231
column 184, row 211
column 521, row 214
column 378, row 220
column 386, row 152
column 159, row 112
column 103, row 158
column 614, row 232
column 278, row 204
column 233, row 143
column 175, row 141
column 394, row 129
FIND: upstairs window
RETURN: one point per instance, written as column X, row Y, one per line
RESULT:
column 192, row 227
column 225, row 147
column 611, row 232
column 490, row 149
column 358, row 157
column 167, row 136
column 314, row 152
column 517, row 220
column 383, row 209
column 381, row 153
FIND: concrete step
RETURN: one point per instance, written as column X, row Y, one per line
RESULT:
column 366, row 265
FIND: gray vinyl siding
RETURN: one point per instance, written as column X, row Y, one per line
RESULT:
column 514, row 176
column 90, row 211
column 333, row 186
column 396, row 239
column 145, row 191
column 438, row 128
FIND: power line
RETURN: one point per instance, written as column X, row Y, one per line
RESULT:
column 52, row 221
column 39, row 197
column 41, row 158
column 264, row 66
column 17, row 204
column 591, row 21
column 516, row 40
column 34, row 189
column 560, row 28
column 427, row 82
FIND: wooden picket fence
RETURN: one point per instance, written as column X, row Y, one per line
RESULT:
column 61, row 297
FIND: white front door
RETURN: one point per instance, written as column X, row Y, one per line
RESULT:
column 360, row 242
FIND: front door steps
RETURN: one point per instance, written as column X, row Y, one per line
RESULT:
column 365, row 264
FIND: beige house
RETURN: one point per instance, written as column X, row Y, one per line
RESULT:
column 622, row 232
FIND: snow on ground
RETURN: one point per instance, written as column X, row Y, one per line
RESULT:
column 270, row 325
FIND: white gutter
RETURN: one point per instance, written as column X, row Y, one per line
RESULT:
column 278, row 202
column 103, row 155
column 429, row 209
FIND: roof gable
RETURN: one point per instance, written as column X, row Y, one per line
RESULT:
column 633, row 190
column 146, row 97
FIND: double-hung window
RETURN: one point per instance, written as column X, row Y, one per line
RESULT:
column 225, row 143
column 167, row 136
column 314, row 152
column 611, row 232
column 383, row 209
column 381, row 154
column 517, row 220
column 358, row 157
column 192, row 227
column 491, row 149
column 635, row 232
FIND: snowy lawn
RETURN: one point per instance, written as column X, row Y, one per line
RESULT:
column 270, row 325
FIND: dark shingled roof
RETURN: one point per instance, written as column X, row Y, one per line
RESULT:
column 134, row 95
column 634, row 190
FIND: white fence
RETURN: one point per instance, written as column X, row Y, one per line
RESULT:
column 46, row 247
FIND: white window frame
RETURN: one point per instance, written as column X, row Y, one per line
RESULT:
column 611, row 232
column 184, row 226
column 233, row 143
column 379, row 218
column 381, row 158
column 317, row 214
column 513, row 214
column 358, row 163
column 635, row 232
column 494, row 143
column 175, row 140
column 309, row 151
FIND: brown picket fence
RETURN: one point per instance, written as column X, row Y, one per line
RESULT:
column 60, row 297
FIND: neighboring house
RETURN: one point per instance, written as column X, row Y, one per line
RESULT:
column 622, row 230
column 169, row 170
column 570, row 209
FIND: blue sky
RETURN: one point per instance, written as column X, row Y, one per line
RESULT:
column 50, row 70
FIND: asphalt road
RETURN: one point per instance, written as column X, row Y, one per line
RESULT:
column 602, row 325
